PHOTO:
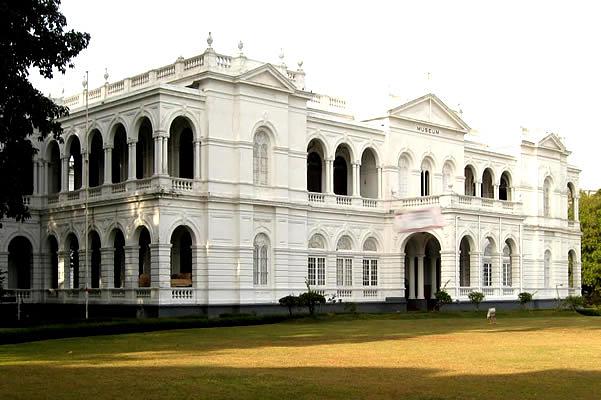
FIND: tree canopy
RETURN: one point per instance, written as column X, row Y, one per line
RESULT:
column 590, row 223
column 32, row 35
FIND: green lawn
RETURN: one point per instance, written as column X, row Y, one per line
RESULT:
column 539, row 355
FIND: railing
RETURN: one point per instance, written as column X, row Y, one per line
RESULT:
column 467, row 200
column 95, row 192
column 71, row 100
column 182, row 184
column 224, row 61
column 194, row 62
column 370, row 203
column 53, row 198
column 343, row 200
column 464, row 291
column 508, row 291
column 316, row 197
column 344, row 293
column 370, row 293
column 117, row 293
column 94, row 94
column 73, row 195
column 182, row 294
column 166, row 71
column 94, row 293
column 488, row 202
column 143, row 183
column 140, row 79
column 421, row 201
column 115, row 87
column 143, row 293
column 119, row 187
column 488, row 291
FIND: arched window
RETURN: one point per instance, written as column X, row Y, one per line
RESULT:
column 547, row 197
column 181, row 257
column 470, row 184
column 20, row 263
column 260, row 159
column 504, row 187
column 316, row 265
column 425, row 178
column 506, row 278
column 368, row 172
column 464, row 263
column 487, row 263
column 571, row 260
column 343, row 182
column 370, row 263
column 344, row 262
column 260, row 259
column 488, row 191
column 547, row 269
column 404, row 176
column 571, row 193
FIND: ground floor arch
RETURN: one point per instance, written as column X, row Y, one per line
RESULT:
column 422, row 267
column 144, row 258
column 181, row 257
column 20, row 261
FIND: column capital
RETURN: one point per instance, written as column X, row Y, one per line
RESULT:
column 107, row 146
column 159, row 133
column 132, row 141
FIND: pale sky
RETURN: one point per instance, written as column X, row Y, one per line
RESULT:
column 508, row 64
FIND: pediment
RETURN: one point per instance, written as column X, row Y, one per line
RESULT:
column 267, row 75
column 552, row 142
column 431, row 110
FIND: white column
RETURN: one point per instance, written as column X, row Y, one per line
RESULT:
column 379, row 182
column 38, row 271
column 356, row 179
column 36, row 185
column 158, row 154
column 85, row 170
column 165, row 158
column 478, row 189
column 420, row 277
column 4, row 267
column 496, row 192
column 433, row 277
column 84, row 269
column 63, row 269
column 160, row 265
column 197, row 159
column 329, row 176
column 107, row 267
column 131, row 266
column 411, row 277
column 576, row 209
column 131, row 161
column 108, row 165
column 65, row 174
column 43, row 177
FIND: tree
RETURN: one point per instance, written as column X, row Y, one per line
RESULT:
column 590, row 223
column 289, row 301
column 32, row 35
column 476, row 298
column 442, row 298
column 525, row 298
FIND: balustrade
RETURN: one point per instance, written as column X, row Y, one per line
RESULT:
column 343, row 200
column 182, row 184
column 316, row 197
column 370, row 293
column 370, row 203
column 119, row 187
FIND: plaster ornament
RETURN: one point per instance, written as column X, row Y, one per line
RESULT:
column 210, row 40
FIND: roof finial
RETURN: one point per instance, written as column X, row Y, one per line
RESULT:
column 106, row 75
column 210, row 40
column 240, row 47
column 281, row 56
column 300, row 65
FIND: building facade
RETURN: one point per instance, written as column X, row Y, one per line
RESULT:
column 222, row 181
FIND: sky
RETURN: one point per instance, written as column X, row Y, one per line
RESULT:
column 505, row 64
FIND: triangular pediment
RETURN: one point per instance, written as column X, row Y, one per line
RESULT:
column 431, row 110
column 267, row 75
column 552, row 142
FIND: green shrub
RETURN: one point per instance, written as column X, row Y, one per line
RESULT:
column 525, row 298
column 476, row 298
column 350, row 308
column 589, row 312
column 573, row 302
column 442, row 298
column 310, row 299
column 289, row 301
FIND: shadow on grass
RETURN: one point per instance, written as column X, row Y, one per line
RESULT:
column 160, row 382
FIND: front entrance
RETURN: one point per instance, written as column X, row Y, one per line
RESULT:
column 422, row 271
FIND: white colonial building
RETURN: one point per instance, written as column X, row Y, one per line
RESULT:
column 221, row 181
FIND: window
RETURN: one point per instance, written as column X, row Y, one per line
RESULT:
column 260, row 160
column 487, row 264
column 547, row 269
column 470, row 184
column 403, row 176
column 506, row 266
column 571, row 269
column 316, row 274
column 425, row 177
column 260, row 259
column 370, row 272
column 447, row 177
column 344, row 271
column 547, row 198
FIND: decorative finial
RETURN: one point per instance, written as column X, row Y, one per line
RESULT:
column 281, row 56
column 210, row 40
column 106, row 75
column 240, row 46
column 300, row 65
column 84, row 83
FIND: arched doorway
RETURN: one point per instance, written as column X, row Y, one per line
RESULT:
column 52, row 254
column 315, row 174
column 465, row 262
column 422, row 270
column 181, row 149
column 181, row 257
column 488, row 191
column 75, row 165
column 20, row 263
column 120, row 155
column 470, row 181
column 96, row 162
column 144, row 150
column 369, row 175
column 144, row 259
column 54, row 168
column 342, row 171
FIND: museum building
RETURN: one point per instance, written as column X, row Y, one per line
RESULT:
column 222, row 182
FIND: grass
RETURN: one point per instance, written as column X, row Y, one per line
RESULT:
column 448, row 356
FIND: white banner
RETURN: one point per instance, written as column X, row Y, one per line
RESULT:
column 418, row 220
